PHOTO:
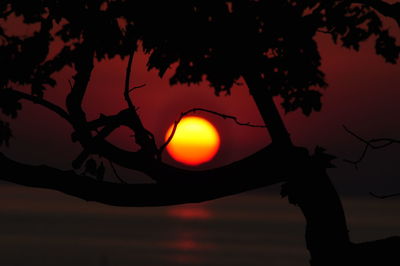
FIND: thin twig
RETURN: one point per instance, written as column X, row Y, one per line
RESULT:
column 377, row 143
column 193, row 110
column 136, row 87
column 224, row 116
column 384, row 196
column 116, row 173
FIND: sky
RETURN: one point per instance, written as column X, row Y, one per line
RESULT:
column 363, row 94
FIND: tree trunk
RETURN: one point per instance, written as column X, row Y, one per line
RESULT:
column 266, row 106
column 309, row 187
column 327, row 237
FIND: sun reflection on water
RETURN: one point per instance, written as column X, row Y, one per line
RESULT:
column 188, row 243
column 190, row 212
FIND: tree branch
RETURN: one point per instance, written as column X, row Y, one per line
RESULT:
column 84, row 67
column 91, row 146
column 121, row 117
column 136, row 87
column 127, row 82
column 266, row 106
column 127, row 117
column 197, row 187
column 143, row 137
column 377, row 143
column 36, row 100
column 384, row 196
column 193, row 110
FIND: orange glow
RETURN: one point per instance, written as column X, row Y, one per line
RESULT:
column 195, row 141
column 190, row 212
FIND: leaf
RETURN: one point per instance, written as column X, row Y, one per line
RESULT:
column 386, row 47
column 307, row 100
column 9, row 103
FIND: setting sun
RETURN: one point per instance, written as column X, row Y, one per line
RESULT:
column 195, row 141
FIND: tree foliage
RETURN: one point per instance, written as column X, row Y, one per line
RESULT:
column 214, row 41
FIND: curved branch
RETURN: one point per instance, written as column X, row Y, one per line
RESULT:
column 208, row 187
column 36, row 100
column 253, row 167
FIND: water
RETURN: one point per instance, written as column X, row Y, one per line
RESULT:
column 46, row 228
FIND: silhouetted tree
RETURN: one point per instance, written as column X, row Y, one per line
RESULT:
column 270, row 44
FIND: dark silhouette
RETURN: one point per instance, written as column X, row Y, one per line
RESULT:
column 270, row 44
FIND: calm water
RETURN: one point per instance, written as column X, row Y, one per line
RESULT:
column 40, row 227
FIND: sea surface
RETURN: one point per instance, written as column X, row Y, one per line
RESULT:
column 47, row 228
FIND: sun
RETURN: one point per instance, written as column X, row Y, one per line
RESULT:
column 196, row 141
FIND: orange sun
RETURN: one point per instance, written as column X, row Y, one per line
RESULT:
column 195, row 141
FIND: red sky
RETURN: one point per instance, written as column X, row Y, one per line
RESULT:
column 363, row 94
